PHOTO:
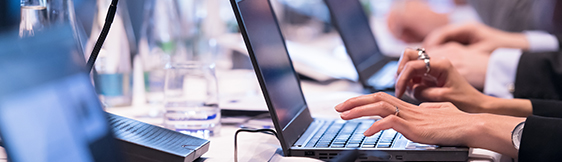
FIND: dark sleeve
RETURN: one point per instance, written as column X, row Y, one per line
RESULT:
column 539, row 76
column 542, row 134
column 541, row 140
column 547, row 108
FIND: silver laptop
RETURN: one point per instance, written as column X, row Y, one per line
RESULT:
column 376, row 71
column 299, row 133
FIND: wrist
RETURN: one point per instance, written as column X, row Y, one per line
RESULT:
column 515, row 40
column 493, row 132
column 487, row 104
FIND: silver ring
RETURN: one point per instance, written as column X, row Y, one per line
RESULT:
column 396, row 111
column 422, row 55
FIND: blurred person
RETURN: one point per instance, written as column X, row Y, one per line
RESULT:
column 494, row 56
column 412, row 20
column 494, row 61
column 478, row 125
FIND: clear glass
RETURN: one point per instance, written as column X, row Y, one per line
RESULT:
column 160, row 44
column 191, row 99
column 113, row 69
column 34, row 17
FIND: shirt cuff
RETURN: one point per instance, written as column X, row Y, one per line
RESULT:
column 540, row 41
column 500, row 75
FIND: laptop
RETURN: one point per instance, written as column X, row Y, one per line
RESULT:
column 49, row 110
column 376, row 71
column 298, row 132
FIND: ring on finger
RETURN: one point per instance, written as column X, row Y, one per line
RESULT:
column 396, row 111
column 422, row 55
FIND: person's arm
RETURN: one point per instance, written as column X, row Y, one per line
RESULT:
column 502, row 65
column 433, row 123
column 541, row 139
column 443, row 83
column 539, row 76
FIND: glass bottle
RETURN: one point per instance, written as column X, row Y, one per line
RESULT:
column 112, row 69
column 159, row 45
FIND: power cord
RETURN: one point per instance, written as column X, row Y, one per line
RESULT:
column 105, row 30
column 251, row 131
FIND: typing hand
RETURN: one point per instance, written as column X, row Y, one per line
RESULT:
column 477, row 36
column 433, row 123
column 429, row 123
column 443, row 83
column 471, row 64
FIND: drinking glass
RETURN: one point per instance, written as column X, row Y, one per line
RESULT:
column 191, row 99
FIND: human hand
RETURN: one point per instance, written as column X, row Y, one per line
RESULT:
column 477, row 36
column 442, row 83
column 411, row 21
column 433, row 123
column 472, row 64
column 417, row 123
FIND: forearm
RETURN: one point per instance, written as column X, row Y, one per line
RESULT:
column 512, row 107
column 514, row 40
column 494, row 133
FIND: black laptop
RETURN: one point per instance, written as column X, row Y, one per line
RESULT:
column 299, row 133
column 49, row 110
column 376, row 71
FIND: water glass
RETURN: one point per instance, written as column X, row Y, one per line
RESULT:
column 191, row 99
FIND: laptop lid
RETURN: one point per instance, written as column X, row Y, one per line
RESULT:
column 46, row 113
column 349, row 18
column 272, row 64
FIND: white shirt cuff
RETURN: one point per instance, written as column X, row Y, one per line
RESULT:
column 540, row 41
column 500, row 75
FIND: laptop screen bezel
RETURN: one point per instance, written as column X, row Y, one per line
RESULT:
column 298, row 125
column 364, row 72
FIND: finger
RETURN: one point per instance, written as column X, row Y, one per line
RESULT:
column 411, row 70
column 426, row 93
column 391, row 121
column 381, row 108
column 408, row 55
column 444, row 34
column 368, row 99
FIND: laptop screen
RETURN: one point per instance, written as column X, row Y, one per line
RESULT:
column 272, row 59
column 49, row 110
column 353, row 26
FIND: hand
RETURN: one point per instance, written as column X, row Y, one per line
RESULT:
column 415, row 123
column 433, row 123
column 477, row 36
column 471, row 64
column 443, row 82
column 412, row 21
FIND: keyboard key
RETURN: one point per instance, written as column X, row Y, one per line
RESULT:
column 368, row 146
column 352, row 146
column 383, row 145
column 336, row 146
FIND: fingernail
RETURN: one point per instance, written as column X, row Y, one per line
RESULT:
column 345, row 114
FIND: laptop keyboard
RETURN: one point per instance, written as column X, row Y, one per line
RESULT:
column 342, row 134
column 385, row 77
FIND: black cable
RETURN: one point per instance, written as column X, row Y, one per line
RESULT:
column 252, row 131
column 105, row 30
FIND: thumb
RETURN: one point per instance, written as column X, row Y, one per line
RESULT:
column 426, row 93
